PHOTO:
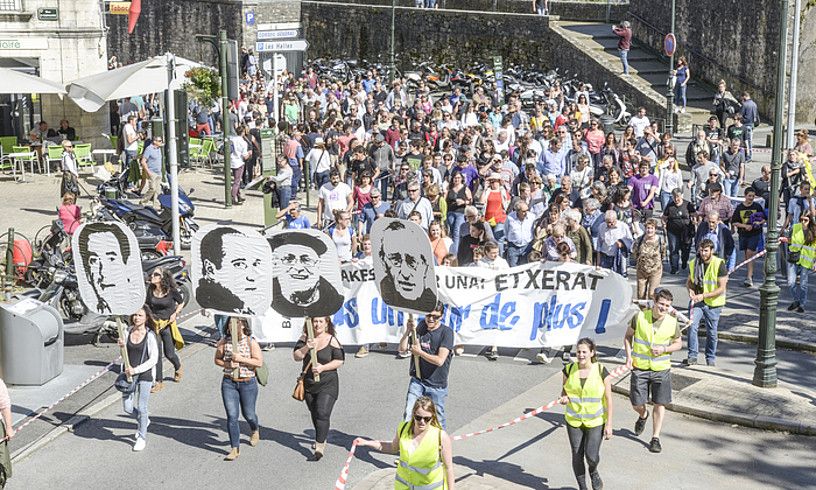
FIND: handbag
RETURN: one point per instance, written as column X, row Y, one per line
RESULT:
column 793, row 257
column 262, row 374
column 299, row 392
column 122, row 384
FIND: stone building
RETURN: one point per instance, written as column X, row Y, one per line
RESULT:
column 59, row 41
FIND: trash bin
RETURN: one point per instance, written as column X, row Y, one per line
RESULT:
column 608, row 123
column 31, row 342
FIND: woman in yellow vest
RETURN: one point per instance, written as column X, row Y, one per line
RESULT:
column 425, row 451
column 801, row 260
column 587, row 394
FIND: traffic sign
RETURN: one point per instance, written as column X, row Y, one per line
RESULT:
column 276, row 26
column 669, row 44
column 280, row 46
column 282, row 34
column 250, row 17
column 48, row 13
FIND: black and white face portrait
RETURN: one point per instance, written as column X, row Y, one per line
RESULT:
column 109, row 271
column 231, row 270
column 306, row 274
column 403, row 265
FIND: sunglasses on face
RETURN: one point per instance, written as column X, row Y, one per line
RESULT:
column 424, row 420
column 156, row 274
column 433, row 317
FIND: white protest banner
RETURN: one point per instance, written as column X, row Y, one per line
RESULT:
column 530, row 306
column 230, row 270
column 403, row 265
column 108, row 268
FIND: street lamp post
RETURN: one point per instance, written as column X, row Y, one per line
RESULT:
column 765, row 369
column 670, row 93
column 794, row 70
column 392, row 65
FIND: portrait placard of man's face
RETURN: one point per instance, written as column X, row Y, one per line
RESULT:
column 230, row 270
column 305, row 274
column 404, row 265
column 109, row 268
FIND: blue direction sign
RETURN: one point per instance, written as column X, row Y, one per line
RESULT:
column 281, row 46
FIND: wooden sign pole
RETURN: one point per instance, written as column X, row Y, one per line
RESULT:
column 123, row 350
column 414, row 341
column 310, row 336
column 234, row 335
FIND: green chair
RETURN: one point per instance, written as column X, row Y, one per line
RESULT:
column 22, row 155
column 7, row 143
column 84, row 157
column 54, row 155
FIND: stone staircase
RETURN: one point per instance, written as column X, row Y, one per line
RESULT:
column 649, row 69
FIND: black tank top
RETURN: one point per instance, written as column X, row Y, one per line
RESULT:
column 137, row 354
column 453, row 196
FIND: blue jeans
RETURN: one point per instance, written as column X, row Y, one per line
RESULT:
column 731, row 187
column 384, row 178
column 680, row 94
column 284, row 195
column 677, row 250
column 702, row 311
column 498, row 236
column 239, row 395
column 665, row 199
column 297, row 174
column 455, row 220
column 624, row 57
column 748, row 135
column 141, row 396
column 430, row 4
column 517, row 255
column 416, row 389
column 798, row 291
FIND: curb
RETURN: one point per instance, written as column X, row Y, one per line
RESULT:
column 731, row 417
column 797, row 345
column 85, row 415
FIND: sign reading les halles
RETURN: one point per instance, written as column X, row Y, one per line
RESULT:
column 305, row 274
column 230, row 270
column 403, row 265
column 108, row 268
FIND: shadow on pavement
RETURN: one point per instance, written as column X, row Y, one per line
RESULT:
column 506, row 471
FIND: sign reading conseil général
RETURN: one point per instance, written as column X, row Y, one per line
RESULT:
column 48, row 13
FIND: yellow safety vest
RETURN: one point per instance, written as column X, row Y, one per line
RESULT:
column 587, row 405
column 647, row 337
column 807, row 254
column 710, row 280
column 422, row 468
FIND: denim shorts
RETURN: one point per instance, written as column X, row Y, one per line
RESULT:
column 646, row 382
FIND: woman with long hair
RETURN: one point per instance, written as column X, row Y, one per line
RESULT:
column 166, row 303
column 143, row 354
column 495, row 198
column 362, row 196
column 425, row 450
column 587, row 393
column 670, row 176
column 343, row 236
column 682, row 75
column 802, row 242
column 320, row 396
column 610, row 147
column 457, row 198
column 240, row 393
column 440, row 243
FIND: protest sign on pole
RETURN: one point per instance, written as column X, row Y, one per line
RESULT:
column 305, row 277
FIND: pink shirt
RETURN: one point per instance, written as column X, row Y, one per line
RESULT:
column 595, row 141
column 70, row 216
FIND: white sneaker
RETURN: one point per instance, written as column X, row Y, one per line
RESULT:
column 140, row 444
column 543, row 358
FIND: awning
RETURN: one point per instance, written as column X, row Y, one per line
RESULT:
column 17, row 82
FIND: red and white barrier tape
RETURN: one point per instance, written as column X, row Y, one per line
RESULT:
column 760, row 254
column 82, row 385
column 340, row 484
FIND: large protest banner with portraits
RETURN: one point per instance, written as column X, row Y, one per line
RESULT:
column 403, row 265
column 534, row 305
column 108, row 268
column 230, row 270
column 305, row 274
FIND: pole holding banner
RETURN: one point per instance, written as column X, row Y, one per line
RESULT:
column 123, row 349
column 310, row 335
column 234, row 335
column 414, row 341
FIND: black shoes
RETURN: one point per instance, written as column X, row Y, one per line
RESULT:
column 799, row 309
column 597, row 483
column 655, row 446
column 793, row 306
column 641, row 424
column 689, row 362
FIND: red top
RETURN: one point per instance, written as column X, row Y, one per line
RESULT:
column 625, row 35
column 495, row 206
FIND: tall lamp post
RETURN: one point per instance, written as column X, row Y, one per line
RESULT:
column 670, row 93
column 392, row 65
column 765, row 363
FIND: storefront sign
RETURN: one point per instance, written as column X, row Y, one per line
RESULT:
column 119, row 8
column 50, row 13
column 24, row 43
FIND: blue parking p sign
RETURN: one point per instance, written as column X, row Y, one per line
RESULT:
column 250, row 17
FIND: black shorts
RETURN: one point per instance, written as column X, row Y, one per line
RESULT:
column 650, row 385
column 749, row 242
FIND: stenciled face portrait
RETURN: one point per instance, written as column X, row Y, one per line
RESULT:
column 305, row 274
column 231, row 270
column 403, row 265
column 110, row 278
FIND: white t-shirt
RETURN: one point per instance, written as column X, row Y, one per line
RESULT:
column 334, row 198
column 130, row 132
column 638, row 123
column 319, row 160
column 239, row 148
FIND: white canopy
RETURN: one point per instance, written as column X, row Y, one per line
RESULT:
column 146, row 77
column 15, row 82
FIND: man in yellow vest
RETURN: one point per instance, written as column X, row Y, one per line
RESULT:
column 706, row 285
column 651, row 338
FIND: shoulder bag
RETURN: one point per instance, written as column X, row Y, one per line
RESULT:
column 262, row 374
column 299, row 392
column 122, row 384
